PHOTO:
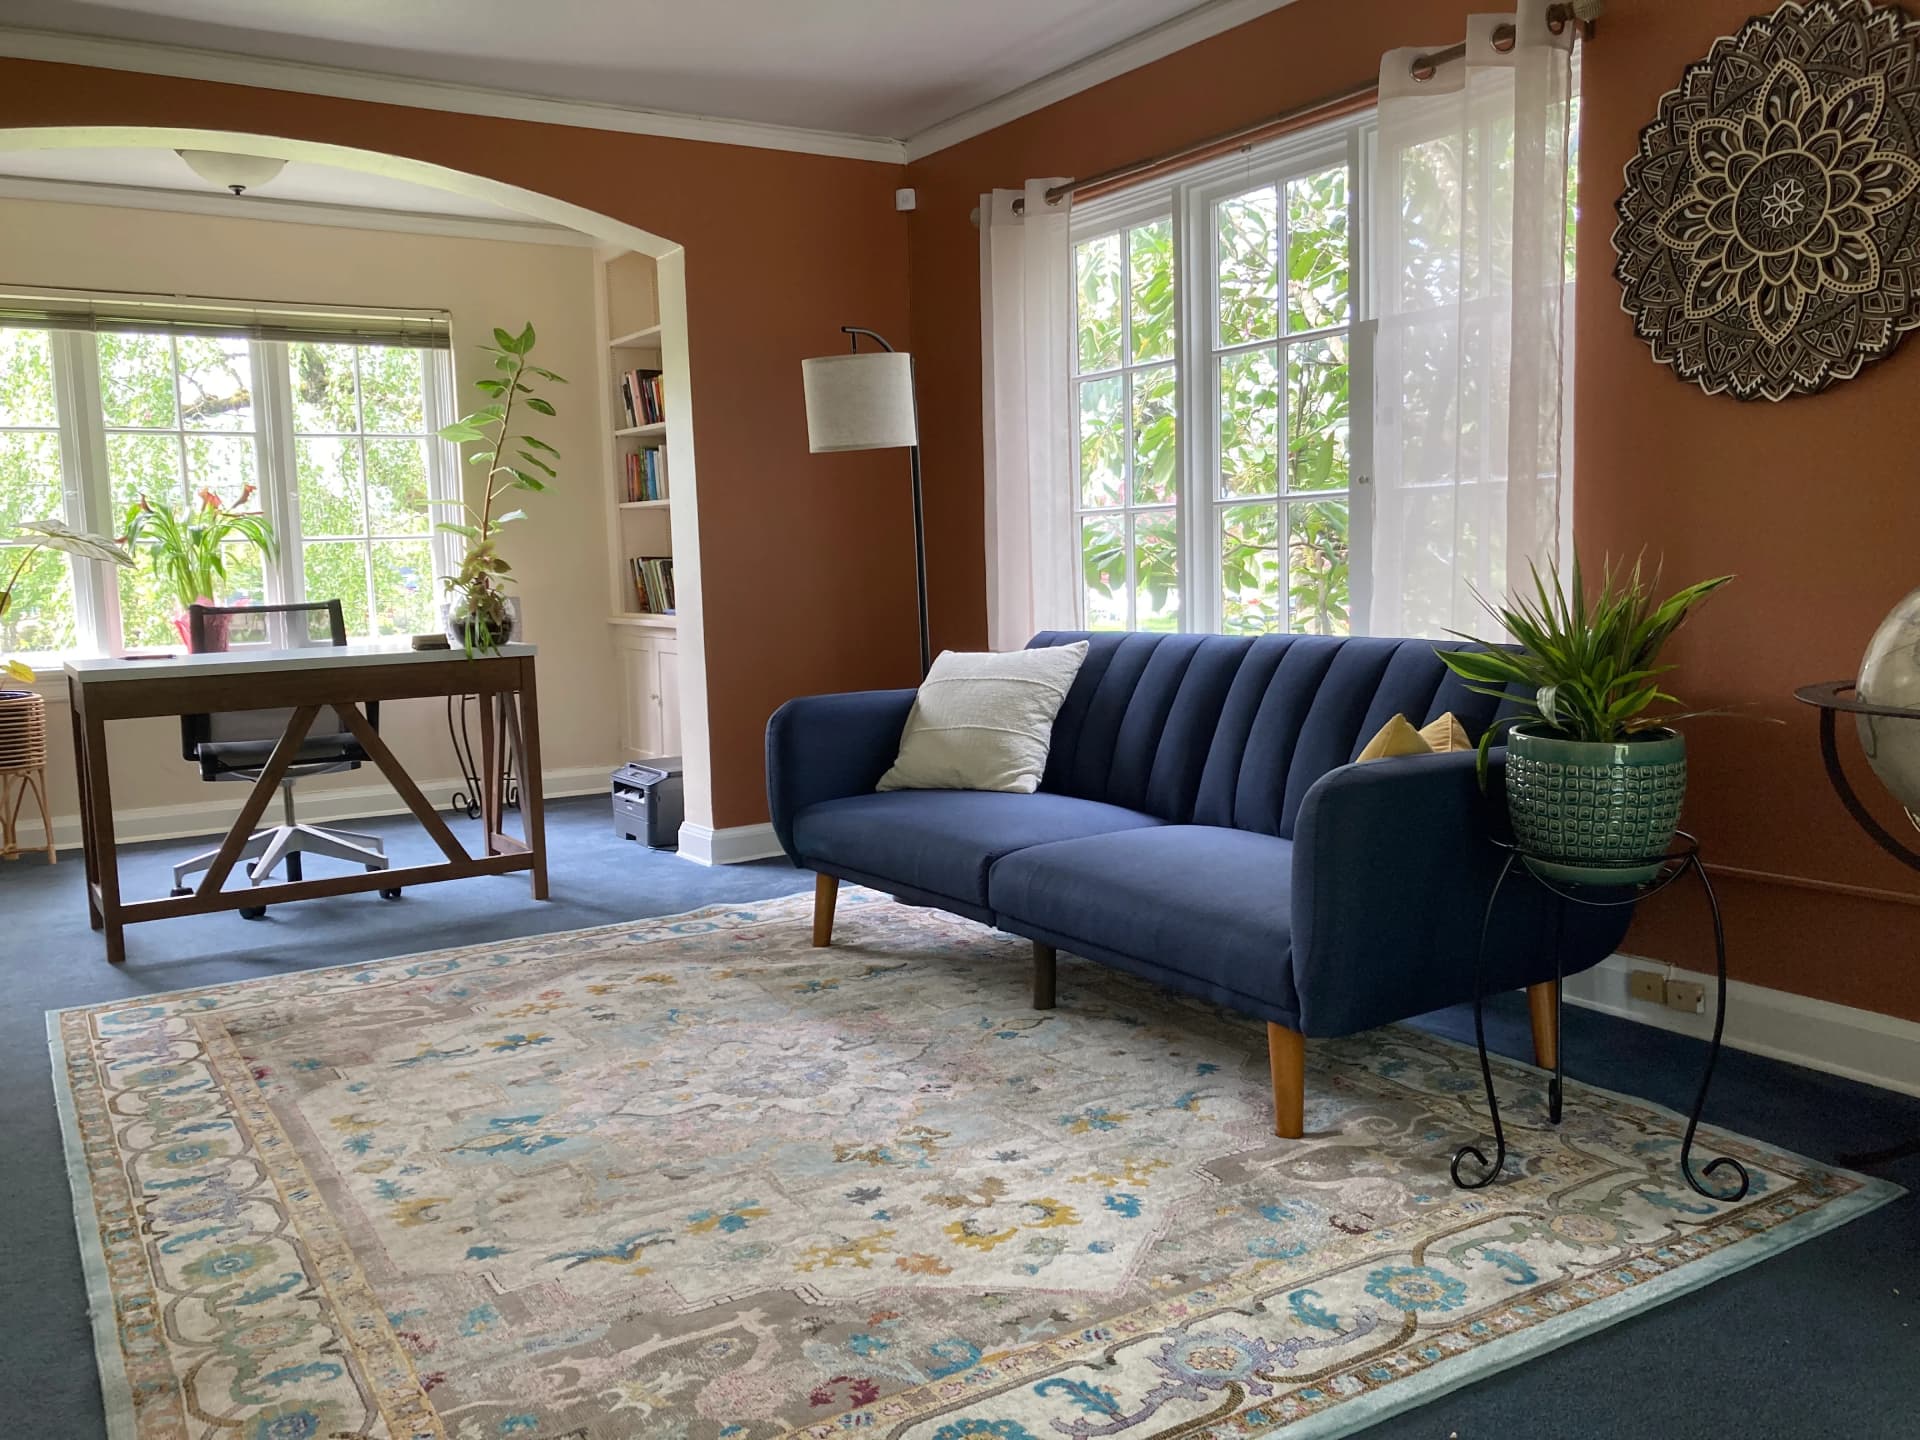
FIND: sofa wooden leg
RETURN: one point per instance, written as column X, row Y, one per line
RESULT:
column 826, row 889
column 1043, row 968
column 1287, row 1056
column 1543, row 1005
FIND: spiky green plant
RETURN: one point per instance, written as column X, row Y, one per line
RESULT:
column 477, row 587
column 1586, row 668
column 189, row 551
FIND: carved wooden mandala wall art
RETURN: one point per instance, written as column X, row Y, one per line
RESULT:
column 1769, row 236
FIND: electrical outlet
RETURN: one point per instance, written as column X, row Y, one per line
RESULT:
column 1686, row 995
column 1647, row 985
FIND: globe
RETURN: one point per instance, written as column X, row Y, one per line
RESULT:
column 1890, row 675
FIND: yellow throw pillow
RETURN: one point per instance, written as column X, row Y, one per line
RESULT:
column 1445, row 734
column 1398, row 737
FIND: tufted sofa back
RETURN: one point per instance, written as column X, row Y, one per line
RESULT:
column 1225, row 730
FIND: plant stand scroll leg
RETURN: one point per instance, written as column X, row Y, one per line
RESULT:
column 1722, row 1162
column 1492, row 1170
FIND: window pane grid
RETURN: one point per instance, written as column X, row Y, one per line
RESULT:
column 1125, row 382
column 1281, row 371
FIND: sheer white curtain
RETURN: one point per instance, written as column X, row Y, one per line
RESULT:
column 1026, row 319
column 1473, row 375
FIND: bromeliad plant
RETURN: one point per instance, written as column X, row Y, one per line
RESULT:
column 189, row 552
column 1586, row 669
column 479, row 605
column 52, row 535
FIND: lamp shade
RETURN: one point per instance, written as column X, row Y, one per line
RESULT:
column 860, row 402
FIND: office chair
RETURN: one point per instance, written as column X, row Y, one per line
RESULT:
column 236, row 745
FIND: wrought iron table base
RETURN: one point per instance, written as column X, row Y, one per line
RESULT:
column 1676, row 864
column 466, row 801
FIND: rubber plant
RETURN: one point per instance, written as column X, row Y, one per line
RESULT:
column 52, row 535
column 478, row 603
column 188, row 551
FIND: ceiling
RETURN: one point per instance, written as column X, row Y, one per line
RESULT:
column 300, row 182
column 884, row 68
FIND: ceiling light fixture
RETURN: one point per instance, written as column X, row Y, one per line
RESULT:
column 238, row 173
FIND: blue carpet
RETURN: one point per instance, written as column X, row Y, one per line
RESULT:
column 1822, row 1340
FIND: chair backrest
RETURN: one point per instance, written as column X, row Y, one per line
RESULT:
column 276, row 627
column 1229, row 730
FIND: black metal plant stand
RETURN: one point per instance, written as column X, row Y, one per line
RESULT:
column 466, row 801
column 1683, row 859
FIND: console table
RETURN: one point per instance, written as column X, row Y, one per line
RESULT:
column 305, row 682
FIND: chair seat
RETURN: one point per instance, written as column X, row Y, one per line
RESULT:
column 1201, row 907
column 943, row 842
column 315, row 750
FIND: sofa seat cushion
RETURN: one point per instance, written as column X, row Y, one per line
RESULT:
column 1202, row 907
column 943, row 842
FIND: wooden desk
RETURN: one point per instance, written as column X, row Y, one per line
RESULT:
column 308, row 681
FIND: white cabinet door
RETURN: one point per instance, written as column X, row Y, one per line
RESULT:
column 639, row 697
column 667, row 688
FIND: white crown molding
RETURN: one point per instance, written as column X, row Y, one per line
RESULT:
column 223, row 67
column 1839, row 1039
column 296, row 212
column 1155, row 44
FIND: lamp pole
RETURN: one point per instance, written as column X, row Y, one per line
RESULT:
column 853, row 334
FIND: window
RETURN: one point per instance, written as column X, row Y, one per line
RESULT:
column 335, row 442
column 1221, row 379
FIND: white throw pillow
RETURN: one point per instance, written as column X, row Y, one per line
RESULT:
column 984, row 722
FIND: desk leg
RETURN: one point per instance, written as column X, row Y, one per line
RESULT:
column 489, row 775
column 100, row 822
column 89, row 849
column 533, row 815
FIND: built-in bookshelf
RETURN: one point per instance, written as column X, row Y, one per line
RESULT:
column 633, row 389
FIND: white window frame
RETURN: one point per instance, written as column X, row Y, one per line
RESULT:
column 87, row 489
column 1189, row 197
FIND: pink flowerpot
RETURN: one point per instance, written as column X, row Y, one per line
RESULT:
column 216, row 627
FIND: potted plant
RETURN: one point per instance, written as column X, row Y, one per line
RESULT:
column 49, row 535
column 190, row 551
column 478, row 612
column 1594, row 777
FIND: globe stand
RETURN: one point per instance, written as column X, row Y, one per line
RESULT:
column 1832, row 698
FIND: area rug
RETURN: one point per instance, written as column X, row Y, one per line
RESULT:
column 691, row 1179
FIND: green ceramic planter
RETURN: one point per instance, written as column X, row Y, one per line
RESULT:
column 1583, row 808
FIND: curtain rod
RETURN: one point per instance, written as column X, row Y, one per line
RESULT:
column 1329, row 107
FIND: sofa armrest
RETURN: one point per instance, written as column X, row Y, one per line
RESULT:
column 827, row 747
column 1393, row 864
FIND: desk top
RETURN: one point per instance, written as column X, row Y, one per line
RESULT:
column 254, row 660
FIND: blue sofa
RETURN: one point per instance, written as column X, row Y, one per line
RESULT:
column 1200, row 824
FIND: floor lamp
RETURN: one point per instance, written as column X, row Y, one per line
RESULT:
column 864, row 401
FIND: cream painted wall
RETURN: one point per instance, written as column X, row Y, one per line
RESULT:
column 558, row 553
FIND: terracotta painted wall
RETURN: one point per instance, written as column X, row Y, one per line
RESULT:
column 807, row 560
column 1812, row 503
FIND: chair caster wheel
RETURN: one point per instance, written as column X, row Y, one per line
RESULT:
column 179, row 892
column 253, row 912
column 393, row 894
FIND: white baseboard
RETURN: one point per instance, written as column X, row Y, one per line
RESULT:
column 734, row 845
column 357, row 802
column 1857, row 1044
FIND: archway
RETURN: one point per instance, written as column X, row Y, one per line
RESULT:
column 612, row 238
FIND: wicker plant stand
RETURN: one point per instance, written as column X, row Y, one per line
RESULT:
column 23, row 768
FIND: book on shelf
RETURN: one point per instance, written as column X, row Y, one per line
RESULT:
column 653, row 583
column 646, row 475
column 641, row 398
